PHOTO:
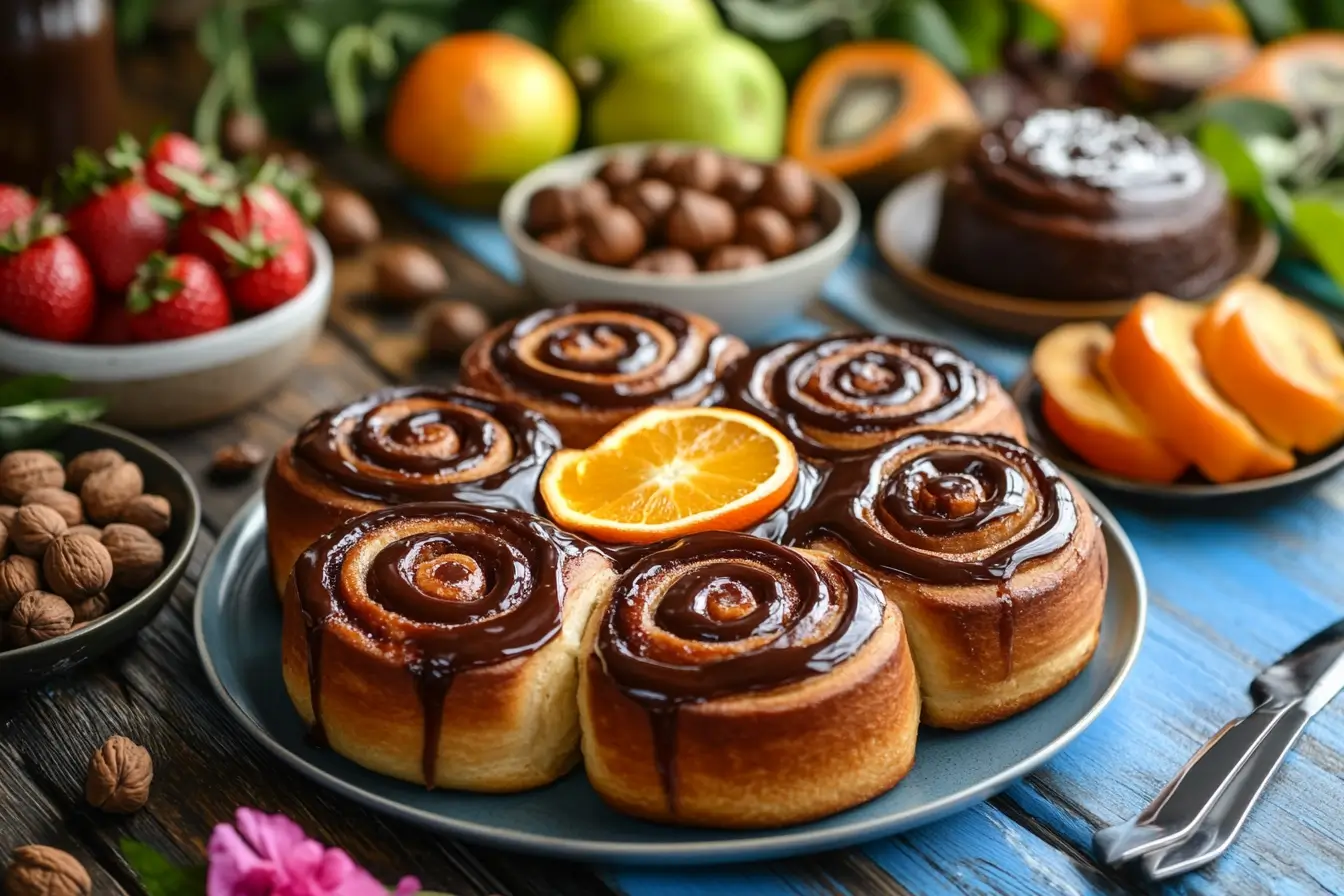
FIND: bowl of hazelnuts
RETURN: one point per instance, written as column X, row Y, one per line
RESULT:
column 682, row 225
column 95, row 532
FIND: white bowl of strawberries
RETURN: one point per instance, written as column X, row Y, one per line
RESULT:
column 175, row 288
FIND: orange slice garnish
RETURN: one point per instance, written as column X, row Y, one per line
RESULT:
column 671, row 471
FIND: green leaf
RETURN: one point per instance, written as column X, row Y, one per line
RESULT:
column 982, row 25
column 1245, row 180
column 307, row 36
column 133, row 18
column 1035, row 28
column 925, row 24
column 160, row 877
column 1251, row 116
column 414, row 32
column 1318, row 225
column 34, row 423
column 1327, row 14
column 35, row 387
column 1273, row 19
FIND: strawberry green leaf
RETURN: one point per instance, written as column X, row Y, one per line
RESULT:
column 34, row 423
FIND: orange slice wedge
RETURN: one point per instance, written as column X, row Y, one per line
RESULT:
column 1156, row 364
column 1081, row 409
column 1277, row 360
column 671, row 471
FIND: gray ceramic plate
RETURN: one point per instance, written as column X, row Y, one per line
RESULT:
column 238, row 634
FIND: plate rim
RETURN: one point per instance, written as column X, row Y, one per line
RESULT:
column 766, row 844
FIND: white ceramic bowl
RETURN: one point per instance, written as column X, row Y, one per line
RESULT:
column 164, row 385
column 746, row 302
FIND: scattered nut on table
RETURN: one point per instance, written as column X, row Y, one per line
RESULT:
column 348, row 220
column 234, row 463
column 45, row 871
column 407, row 274
column 120, row 773
column 451, row 326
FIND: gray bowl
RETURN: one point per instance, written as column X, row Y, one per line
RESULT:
column 27, row 666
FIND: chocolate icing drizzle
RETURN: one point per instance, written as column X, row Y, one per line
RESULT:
column 479, row 587
column 827, row 385
column 612, row 355
column 730, row 614
column 423, row 444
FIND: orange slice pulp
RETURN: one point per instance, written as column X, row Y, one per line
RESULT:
column 668, row 472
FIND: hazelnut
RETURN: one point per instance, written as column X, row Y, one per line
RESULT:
column 82, row 465
column 701, row 169
column 659, row 161
column 551, row 208
column 243, row 134
column 91, row 608
column 59, row 500
column 767, row 229
column 590, row 197
column 85, row 529
column 18, row 576
column 649, row 200
column 23, row 471
column 807, row 233
column 697, row 222
column 732, row 258
column 451, row 326
column 38, row 617
column 788, row 187
column 619, row 171
column 7, row 514
column 36, row 527
column 76, row 566
column 408, row 275
column 106, row 492
column 45, row 871
column 136, row 555
column 612, row 236
column 348, row 221
column 234, row 463
column 152, row 513
column 120, row 773
column 566, row 241
column 740, row 183
column 673, row 262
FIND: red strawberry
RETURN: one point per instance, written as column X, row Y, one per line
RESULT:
column 15, row 203
column 175, row 296
column 170, row 155
column 259, row 205
column 46, row 289
column 264, row 273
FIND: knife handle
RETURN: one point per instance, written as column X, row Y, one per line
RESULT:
column 1189, row 796
column 1212, row 838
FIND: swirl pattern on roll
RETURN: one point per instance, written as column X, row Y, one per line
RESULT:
column 612, row 355
column 840, row 393
column 423, row 444
column 441, row 587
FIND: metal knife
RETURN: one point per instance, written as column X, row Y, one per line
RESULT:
column 1231, row 770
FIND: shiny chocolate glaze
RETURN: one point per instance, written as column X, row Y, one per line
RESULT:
column 612, row 355
column 416, row 443
column 826, row 385
column 482, row 587
column 731, row 614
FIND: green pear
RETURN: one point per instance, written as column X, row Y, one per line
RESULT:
column 719, row 89
column 595, row 35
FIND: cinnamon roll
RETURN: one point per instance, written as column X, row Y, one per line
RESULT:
column 995, row 560
column 842, row 394
column 589, row 365
column 437, row 643
column 732, row 682
column 399, row 445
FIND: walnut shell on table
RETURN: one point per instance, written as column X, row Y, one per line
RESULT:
column 38, row 616
column 76, row 566
column 107, row 492
column 137, row 556
column 23, row 471
column 120, row 774
column 45, row 871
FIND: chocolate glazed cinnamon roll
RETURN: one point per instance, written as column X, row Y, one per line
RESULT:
column 995, row 560
column 732, row 682
column 589, row 365
column 400, row 445
column 436, row 643
column 843, row 394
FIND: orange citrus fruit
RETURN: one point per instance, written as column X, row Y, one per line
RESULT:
column 671, row 471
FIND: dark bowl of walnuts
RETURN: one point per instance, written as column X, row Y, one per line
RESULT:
column 744, row 243
column 95, row 532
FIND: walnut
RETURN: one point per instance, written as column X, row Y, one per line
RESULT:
column 4, row 539
column 119, row 776
column 23, row 471
column 63, row 502
column 108, row 490
column 18, row 576
column 76, row 566
column 38, row 617
column 45, row 871
column 85, row 529
column 136, row 555
column 35, row 527
column 152, row 513
column 91, row 608
column 82, row 465
column 7, row 514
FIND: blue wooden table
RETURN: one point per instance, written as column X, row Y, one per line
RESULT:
column 1230, row 592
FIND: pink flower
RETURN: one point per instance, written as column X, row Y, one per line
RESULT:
column 269, row 855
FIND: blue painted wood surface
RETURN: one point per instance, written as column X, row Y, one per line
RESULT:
column 1230, row 593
